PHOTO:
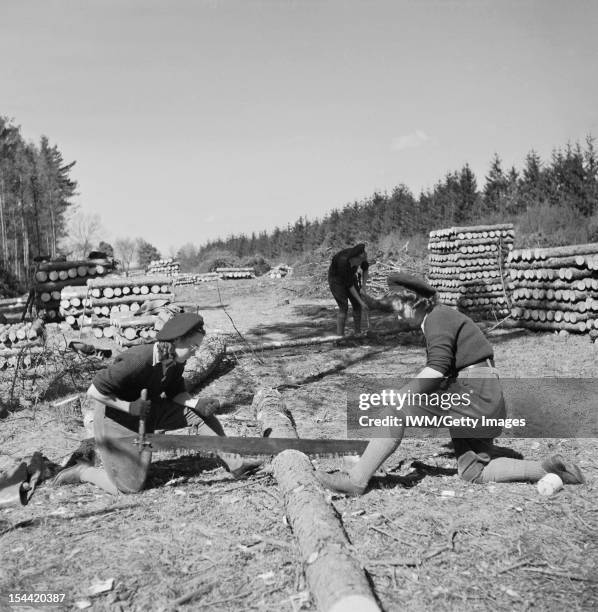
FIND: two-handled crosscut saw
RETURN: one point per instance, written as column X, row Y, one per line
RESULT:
column 127, row 457
column 249, row 446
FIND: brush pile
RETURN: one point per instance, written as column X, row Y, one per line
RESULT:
column 379, row 271
column 468, row 268
column 556, row 288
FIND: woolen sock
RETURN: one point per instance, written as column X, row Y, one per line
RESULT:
column 341, row 320
column 357, row 321
column 504, row 469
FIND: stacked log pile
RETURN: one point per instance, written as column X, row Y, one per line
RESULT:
column 280, row 271
column 235, row 273
column 132, row 330
column 556, row 288
column 186, row 279
column 103, row 299
column 468, row 268
column 21, row 341
column 51, row 276
column 207, row 277
column 168, row 267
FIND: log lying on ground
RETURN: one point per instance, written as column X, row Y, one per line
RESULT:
column 268, row 346
column 204, row 362
column 335, row 578
column 274, row 418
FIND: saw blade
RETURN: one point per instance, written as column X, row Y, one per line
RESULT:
column 257, row 447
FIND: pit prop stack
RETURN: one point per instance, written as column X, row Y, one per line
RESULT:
column 467, row 266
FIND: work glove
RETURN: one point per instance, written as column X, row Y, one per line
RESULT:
column 141, row 407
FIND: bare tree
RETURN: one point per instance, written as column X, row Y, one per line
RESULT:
column 83, row 231
column 125, row 249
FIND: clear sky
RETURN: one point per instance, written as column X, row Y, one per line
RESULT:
column 193, row 119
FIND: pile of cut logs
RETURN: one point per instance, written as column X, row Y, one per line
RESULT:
column 195, row 279
column 556, row 288
column 51, row 276
column 168, row 267
column 186, row 279
column 20, row 341
column 207, row 277
column 229, row 273
column 104, row 299
column 280, row 271
column 131, row 330
column 468, row 268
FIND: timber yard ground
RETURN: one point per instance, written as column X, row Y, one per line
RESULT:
column 196, row 539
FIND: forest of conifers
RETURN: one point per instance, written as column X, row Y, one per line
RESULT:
column 35, row 192
column 551, row 202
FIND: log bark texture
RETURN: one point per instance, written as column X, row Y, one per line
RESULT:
column 274, row 418
column 336, row 579
column 204, row 362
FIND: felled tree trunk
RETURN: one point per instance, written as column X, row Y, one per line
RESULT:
column 274, row 418
column 203, row 363
column 335, row 578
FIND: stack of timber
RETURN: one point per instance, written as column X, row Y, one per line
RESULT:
column 234, row 273
column 556, row 288
column 168, row 267
column 133, row 330
column 11, row 309
column 468, row 267
column 94, row 305
column 195, row 279
column 280, row 271
column 20, row 343
column 186, row 279
column 51, row 276
column 207, row 277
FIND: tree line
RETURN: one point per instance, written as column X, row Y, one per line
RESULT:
column 36, row 190
column 551, row 202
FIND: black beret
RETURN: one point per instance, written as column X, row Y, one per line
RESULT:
column 180, row 325
column 358, row 249
column 413, row 283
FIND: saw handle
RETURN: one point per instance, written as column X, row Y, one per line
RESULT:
column 142, row 418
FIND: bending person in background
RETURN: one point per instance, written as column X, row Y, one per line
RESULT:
column 460, row 360
column 147, row 381
column 345, row 287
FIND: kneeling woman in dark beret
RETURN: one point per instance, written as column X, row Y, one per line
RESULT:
column 459, row 359
column 146, row 381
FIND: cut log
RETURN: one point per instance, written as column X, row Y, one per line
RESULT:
column 553, row 325
column 563, row 251
column 275, row 420
column 335, row 578
column 67, row 265
column 204, row 362
column 128, row 281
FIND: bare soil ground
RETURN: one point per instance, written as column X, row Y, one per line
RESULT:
column 196, row 539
